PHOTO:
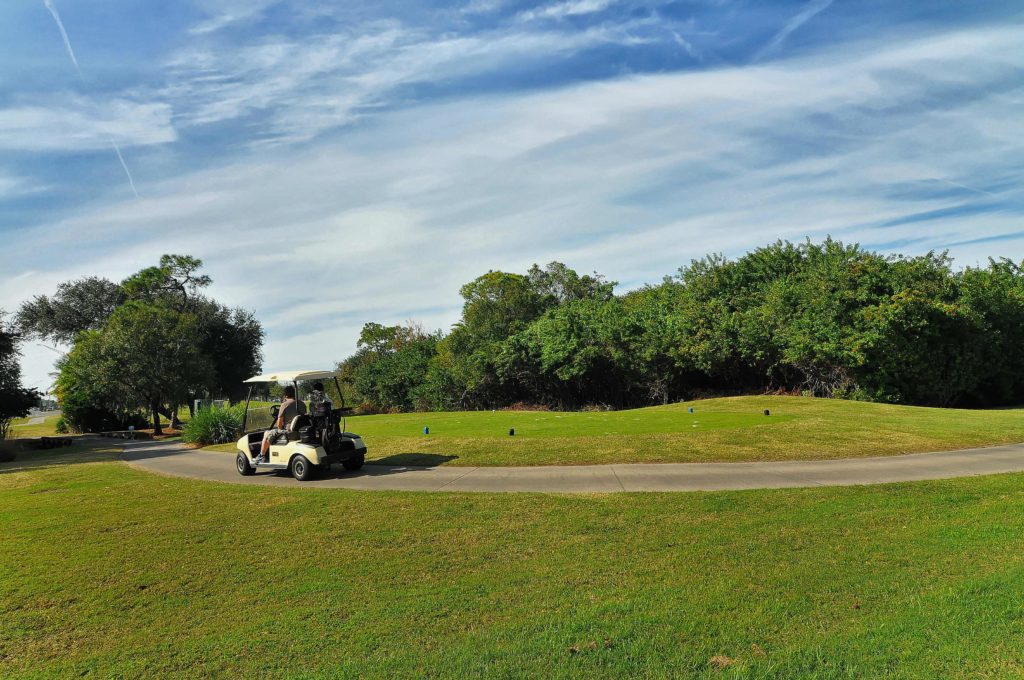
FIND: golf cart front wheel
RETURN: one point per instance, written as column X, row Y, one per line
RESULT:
column 354, row 463
column 244, row 467
column 302, row 469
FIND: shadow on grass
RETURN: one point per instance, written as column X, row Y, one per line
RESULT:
column 81, row 451
column 416, row 459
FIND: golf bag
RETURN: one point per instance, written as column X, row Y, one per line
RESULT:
column 324, row 429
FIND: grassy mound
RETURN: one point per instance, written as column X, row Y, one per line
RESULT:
column 730, row 429
column 111, row 572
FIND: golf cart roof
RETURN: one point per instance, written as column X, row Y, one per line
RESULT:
column 291, row 376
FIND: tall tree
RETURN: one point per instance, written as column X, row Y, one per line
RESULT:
column 152, row 354
column 175, row 282
column 231, row 339
column 15, row 400
column 80, row 305
column 390, row 368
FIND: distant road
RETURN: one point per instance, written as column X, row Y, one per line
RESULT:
column 174, row 459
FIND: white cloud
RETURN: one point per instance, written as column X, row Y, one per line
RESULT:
column 307, row 86
column 13, row 186
column 569, row 8
column 631, row 177
column 76, row 123
column 224, row 13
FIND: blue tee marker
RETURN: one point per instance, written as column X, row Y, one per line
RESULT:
column 426, row 430
column 689, row 410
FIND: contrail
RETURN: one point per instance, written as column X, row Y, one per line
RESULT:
column 63, row 33
column 799, row 19
column 124, row 165
column 71, row 53
column 964, row 186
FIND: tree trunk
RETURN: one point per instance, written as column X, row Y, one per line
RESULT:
column 175, row 423
column 156, row 417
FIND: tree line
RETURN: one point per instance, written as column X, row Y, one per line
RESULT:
column 825, row 319
column 146, row 345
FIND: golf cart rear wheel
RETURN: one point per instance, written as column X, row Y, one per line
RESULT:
column 354, row 463
column 302, row 469
column 244, row 467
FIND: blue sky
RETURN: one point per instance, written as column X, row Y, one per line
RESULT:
column 340, row 162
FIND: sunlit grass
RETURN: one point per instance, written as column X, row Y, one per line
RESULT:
column 729, row 429
column 21, row 429
column 107, row 571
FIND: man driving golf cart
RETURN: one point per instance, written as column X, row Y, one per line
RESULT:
column 296, row 441
column 290, row 409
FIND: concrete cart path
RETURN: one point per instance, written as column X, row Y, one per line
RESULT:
column 173, row 459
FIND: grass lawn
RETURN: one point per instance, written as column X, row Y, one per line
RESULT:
column 20, row 428
column 730, row 429
column 81, row 451
column 107, row 571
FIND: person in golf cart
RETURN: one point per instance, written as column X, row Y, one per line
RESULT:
column 318, row 398
column 290, row 407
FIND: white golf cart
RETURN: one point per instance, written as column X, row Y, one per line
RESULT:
column 314, row 441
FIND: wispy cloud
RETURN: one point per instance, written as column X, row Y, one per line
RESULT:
column 631, row 177
column 224, row 13
column 308, row 86
column 449, row 142
column 569, row 8
column 76, row 123
column 809, row 11
column 14, row 186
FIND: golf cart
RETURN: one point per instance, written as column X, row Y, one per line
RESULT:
column 315, row 440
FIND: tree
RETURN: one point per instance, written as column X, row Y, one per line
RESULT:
column 144, row 357
column 231, row 340
column 497, row 305
column 174, row 282
column 571, row 355
column 80, row 305
column 390, row 367
column 827, row 319
column 15, row 400
column 558, row 284
column 89, row 390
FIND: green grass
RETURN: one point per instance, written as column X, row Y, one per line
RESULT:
column 20, row 429
column 81, row 451
column 731, row 429
column 107, row 571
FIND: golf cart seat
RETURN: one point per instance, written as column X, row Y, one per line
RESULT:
column 294, row 429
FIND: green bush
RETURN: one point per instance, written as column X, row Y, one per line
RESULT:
column 61, row 426
column 213, row 426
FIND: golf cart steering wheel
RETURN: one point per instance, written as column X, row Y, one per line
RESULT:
column 274, row 410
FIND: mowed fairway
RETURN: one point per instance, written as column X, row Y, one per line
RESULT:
column 22, row 429
column 107, row 571
column 728, row 429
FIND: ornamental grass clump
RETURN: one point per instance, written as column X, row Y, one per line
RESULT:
column 213, row 426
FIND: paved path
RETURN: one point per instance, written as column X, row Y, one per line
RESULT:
column 172, row 459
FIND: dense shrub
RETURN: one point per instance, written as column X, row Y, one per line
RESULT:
column 61, row 426
column 824, row 319
column 213, row 426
